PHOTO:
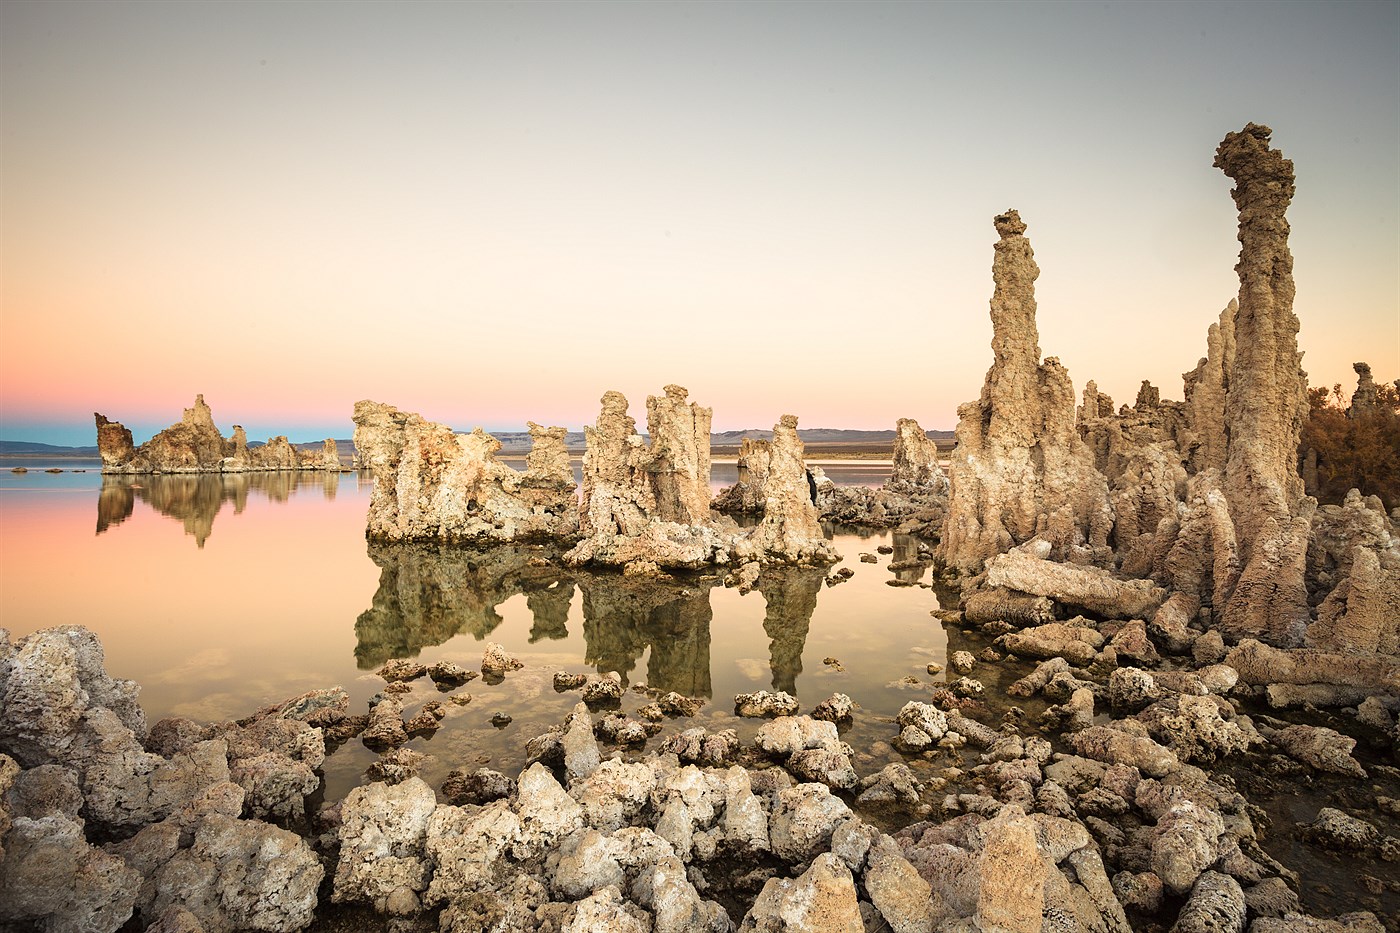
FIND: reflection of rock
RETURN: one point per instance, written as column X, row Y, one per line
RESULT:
column 624, row 616
column 194, row 445
column 428, row 593
column 194, row 500
column 791, row 594
column 1020, row 469
column 432, row 484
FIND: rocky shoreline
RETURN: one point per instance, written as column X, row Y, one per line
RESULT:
column 1118, row 807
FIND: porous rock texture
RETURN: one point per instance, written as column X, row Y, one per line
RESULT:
column 913, row 499
column 78, row 769
column 432, row 484
column 1020, row 468
column 194, row 445
column 1266, row 403
column 649, row 504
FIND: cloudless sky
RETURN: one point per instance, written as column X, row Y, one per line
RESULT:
column 489, row 213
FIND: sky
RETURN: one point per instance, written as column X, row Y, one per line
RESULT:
column 488, row 213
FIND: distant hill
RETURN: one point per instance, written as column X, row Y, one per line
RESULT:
column 19, row 448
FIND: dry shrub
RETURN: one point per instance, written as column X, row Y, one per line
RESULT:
column 1359, row 450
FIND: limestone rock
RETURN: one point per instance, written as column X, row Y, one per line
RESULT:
column 1216, row 905
column 1086, row 587
column 820, row 900
column 431, row 484
column 1020, row 469
column 1321, row 748
column 50, row 874
column 765, row 704
column 790, row 530
column 1102, row 743
column 1266, row 402
column 383, row 832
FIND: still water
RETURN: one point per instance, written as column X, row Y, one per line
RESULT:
column 222, row 594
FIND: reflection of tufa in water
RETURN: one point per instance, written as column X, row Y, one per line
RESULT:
column 428, row 593
column 194, row 499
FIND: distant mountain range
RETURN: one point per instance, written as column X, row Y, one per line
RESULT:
column 514, row 442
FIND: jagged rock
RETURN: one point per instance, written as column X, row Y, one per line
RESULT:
column 431, row 484
column 961, row 662
column 893, row 784
column 1141, row 892
column 50, row 874
column 1020, row 468
column 649, row 502
column 790, row 531
column 1258, row 663
column 820, row 900
column 479, row 787
column 1206, row 388
column 614, row 793
column 1077, row 644
column 1185, row 841
column 580, row 751
column 915, row 457
column 383, row 831
column 195, row 445
column 396, row 766
column 1036, row 680
column 497, row 661
column 447, row 674
column 1102, row 743
column 1319, row 747
column 385, row 729
column 402, row 669
column 764, row 704
column 835, row 708
column 547, row 812
column 674, row 704
column 1195, row 729
column 1216, row 905
column 466, row 850
column 1265, row 404
column 1334, row 829
column 1359, row 614
column 1086, row 587
column 997, row 604
column 62, row 708
column 896, row 890
column 803, row 819
column 604, row 690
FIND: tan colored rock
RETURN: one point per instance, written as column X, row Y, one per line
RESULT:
column 1020, row 468
column 1087, row 587
column 1259, row 663
column 1364, row 399
column 821, row 900
column 1206, row 389
column 114, row 444
column 915, row 457
column 277, row 454
column 790, row 531
column 1363, row 612
column 1266, row 403
column 640, row 502
column 431, row 484
column 1012, row 892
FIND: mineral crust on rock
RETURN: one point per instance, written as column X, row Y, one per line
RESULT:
column 432, row 484
column 194, row 445
column 1020, row 468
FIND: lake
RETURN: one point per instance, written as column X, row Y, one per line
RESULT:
column 222, row 594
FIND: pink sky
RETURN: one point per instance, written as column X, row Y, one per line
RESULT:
column 493, row 213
